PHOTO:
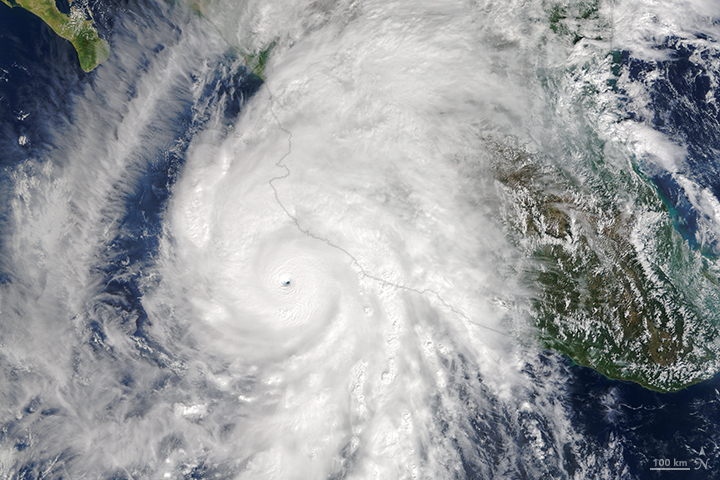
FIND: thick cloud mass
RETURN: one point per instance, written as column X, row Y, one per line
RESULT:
column 308, row 277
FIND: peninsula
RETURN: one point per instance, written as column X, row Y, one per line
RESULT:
column 74, row 27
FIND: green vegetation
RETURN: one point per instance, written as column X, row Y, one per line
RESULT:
column 620, row 289
column 256, row 62
column 576, row 21
column 91, row 49
column 556, row 14
column 635, row 313
column 588, row 10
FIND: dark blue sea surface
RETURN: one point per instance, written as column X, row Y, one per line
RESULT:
column 681, row 429
column 133, row 250
column 685, row 106
column 63, row 6
column 40, row 80
column 40, row 76
column 653, row 428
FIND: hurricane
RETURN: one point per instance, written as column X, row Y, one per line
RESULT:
column 332, row 239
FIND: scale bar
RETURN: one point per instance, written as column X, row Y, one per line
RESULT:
column 671, row 468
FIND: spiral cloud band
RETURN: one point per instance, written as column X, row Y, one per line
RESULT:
column 313, row 270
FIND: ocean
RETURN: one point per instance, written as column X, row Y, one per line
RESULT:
column 361, row 239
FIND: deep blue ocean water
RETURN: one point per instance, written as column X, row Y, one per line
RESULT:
column 40, row 75
column 651, row 426
column 684, row 106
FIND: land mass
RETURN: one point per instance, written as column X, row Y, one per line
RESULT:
column 74, row 27
column 619, row 289
column 255, row 61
